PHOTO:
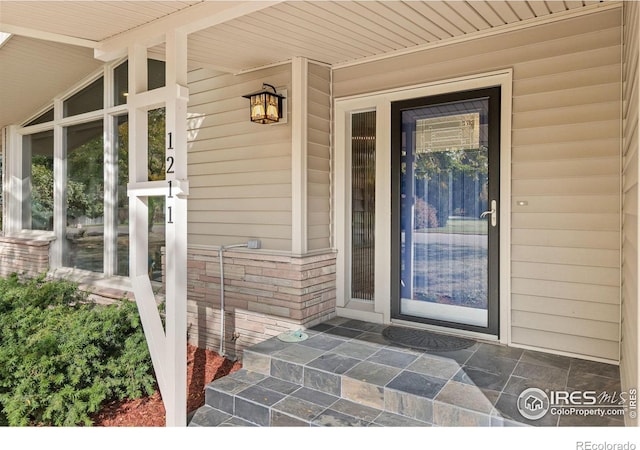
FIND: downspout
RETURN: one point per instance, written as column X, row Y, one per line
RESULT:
column 252, row 244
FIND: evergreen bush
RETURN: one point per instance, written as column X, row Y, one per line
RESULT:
column 62, row 356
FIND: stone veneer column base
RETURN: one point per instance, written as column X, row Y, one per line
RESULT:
column 24, row 256
column 264, row 294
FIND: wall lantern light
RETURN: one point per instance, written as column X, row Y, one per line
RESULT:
column 266, row 106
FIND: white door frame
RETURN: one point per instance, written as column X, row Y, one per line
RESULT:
column 380, row 310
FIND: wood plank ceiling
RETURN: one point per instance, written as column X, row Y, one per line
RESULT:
column 333, row 32
column 338, row 32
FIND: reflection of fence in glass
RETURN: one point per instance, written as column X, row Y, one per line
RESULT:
column 449, row 239
column 450, row 184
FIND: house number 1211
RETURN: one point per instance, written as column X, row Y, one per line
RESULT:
column 170, row 162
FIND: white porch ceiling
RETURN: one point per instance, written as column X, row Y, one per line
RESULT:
column 33, row 71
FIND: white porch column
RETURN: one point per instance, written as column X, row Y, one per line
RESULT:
column 13, row 181
column 59, row 188
column 176, row 226
column 299, row 94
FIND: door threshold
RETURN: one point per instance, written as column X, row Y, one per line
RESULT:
column 445, row 330
column 360, row 310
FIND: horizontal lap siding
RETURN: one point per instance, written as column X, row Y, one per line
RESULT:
column 319, row 157
column 565, row 165
column 629, row 346
column 239, row 172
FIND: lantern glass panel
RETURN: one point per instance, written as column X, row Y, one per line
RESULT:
column 257, row 108
column 272, row 108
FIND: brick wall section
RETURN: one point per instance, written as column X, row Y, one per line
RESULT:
column 23, row 256
column 264, row 295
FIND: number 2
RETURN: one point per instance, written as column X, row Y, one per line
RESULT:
column 170, row 164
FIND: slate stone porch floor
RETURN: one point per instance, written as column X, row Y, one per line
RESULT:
column 347, row 374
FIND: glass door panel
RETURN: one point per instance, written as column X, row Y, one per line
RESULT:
column 446, row 227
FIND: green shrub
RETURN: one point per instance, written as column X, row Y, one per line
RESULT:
column 426, row 216
column 62, row 356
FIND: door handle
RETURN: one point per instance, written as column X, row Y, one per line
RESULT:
column 494, row 216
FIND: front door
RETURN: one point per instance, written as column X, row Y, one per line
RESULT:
column 445, row 210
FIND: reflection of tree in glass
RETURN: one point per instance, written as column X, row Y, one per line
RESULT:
column 156, row 161
column 156, row 157
column 79, row 202
column 463, row 172
column 472, row 162
column 85, row 184
column 42, row 193
column 123, row 170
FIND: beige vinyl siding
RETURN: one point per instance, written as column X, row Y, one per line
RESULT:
column 318, row 157
column 239, row 172
column 565, row 163
column 629, row 345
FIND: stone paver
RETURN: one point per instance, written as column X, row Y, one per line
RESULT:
column 346, row 374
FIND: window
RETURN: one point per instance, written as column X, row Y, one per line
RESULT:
column 37, row 181
column 363, row 201
column 42, row 118
column 1, row 195
column 88, row 99
column 156, row 171
column 90, row 220
column 84, row 236
column 122, row 209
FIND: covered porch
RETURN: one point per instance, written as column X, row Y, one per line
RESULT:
column 251, row 230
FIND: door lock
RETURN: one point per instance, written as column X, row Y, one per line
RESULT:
column 494, row 216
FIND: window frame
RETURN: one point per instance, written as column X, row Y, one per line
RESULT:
column 13, row 159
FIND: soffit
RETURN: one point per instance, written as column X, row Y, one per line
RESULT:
column 33, row 71
column 92, row 20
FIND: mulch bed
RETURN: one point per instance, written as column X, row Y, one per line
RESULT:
column 203, row 366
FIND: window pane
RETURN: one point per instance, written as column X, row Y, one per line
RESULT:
column 155, row 79
column 363, row 201
column 121, row 83
column 1, row 193
column 37, row 170
column 42, row 118
column 84, row 244
column 156, row 138
column 155, row 74
column 90, row 98
column 156, row 204
column 157, row 207
column 122, row 213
